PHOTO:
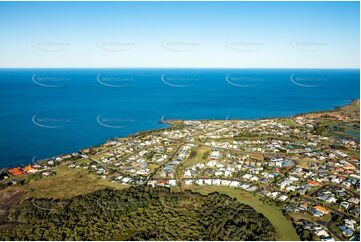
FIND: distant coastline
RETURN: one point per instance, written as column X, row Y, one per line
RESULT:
column 169, row 121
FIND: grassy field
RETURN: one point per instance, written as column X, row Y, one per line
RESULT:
column 286, row 121
column 304, row 162
column 257, row 156
column 284, row 228
column 67, row 183
column 152, row 167
column 198, row 157
column 175, row 122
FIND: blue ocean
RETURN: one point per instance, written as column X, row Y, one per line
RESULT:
column 46, row 112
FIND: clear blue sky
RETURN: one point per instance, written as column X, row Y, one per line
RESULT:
column 180, row 34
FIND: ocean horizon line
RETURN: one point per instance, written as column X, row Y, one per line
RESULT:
column 183, row 68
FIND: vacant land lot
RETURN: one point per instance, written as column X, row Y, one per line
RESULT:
column 67, row 183
column 201, row 156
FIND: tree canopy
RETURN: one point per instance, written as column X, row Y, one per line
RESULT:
column 138, row 213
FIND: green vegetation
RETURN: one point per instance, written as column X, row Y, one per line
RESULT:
column 305, row 234
column 138, row 213
column 287, row 121
column 67, row 183
column 283, row 227
column 339, row 128
column 201, row 154
column 335, row 128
